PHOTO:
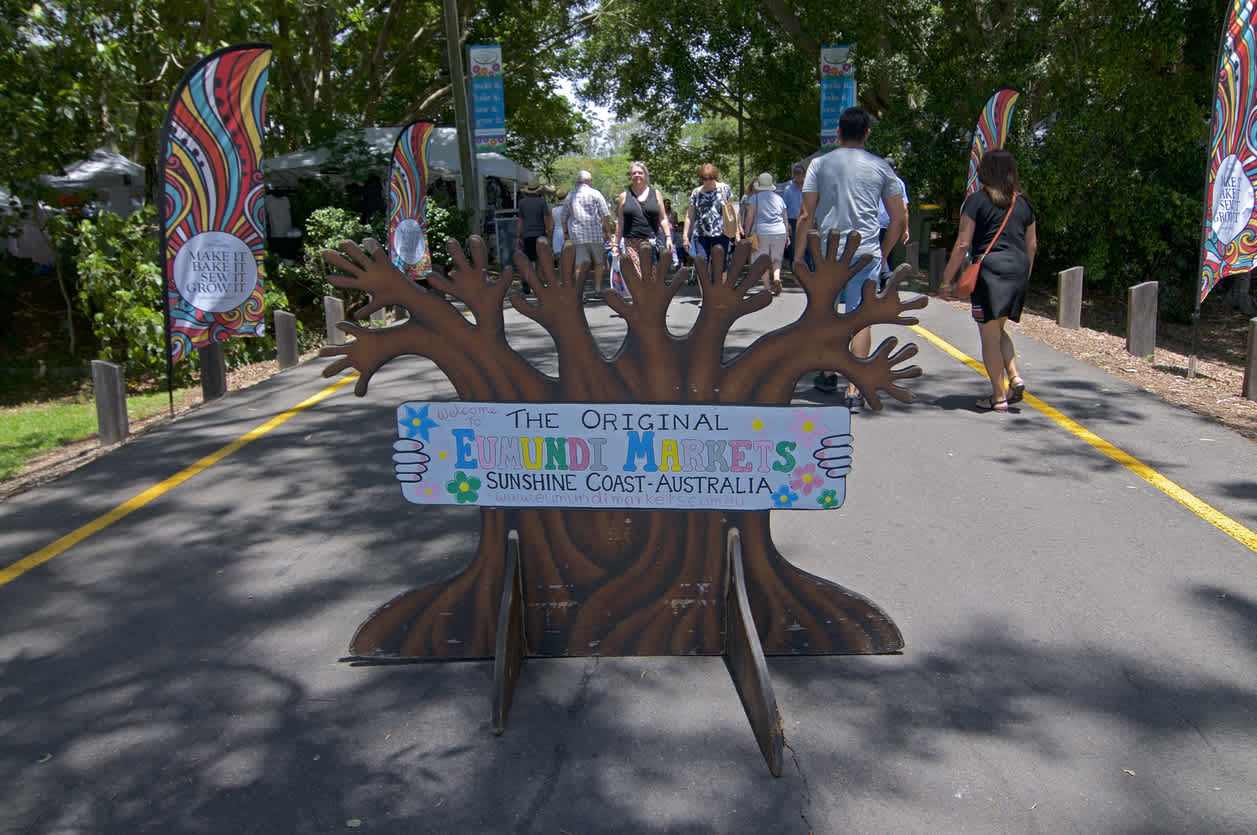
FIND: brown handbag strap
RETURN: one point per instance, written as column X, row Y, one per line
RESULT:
column 999, row 231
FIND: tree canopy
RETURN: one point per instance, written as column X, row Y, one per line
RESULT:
column 82, row 73
column 1110, row 130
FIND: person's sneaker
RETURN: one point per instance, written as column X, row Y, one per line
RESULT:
column 825, row 382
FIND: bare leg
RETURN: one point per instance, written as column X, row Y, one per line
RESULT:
column 598, row 268
column 861, row 345
column 1009, row 354
column 992, row 336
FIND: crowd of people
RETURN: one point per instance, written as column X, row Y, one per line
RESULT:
column 846, row 190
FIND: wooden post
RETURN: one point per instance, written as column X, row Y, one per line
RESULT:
column 1141, row 319
column 213, row 372
column 111, row 401
column 333, row 312
column 938, row 261
column 286, row 339
column 1250, row 370
column 1069, row 298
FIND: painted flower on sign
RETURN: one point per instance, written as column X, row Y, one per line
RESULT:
column 784, row 496
column 464, row 488
column 828, row 499
column 415, row 423
column 805, row 425
column 806, row 479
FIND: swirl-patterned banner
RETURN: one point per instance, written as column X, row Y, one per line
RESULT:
column 1229, row 243
column 213, row 236
column 991, row 132
column 407, row 193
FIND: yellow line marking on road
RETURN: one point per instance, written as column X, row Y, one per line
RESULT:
column 1202, row 509
column 17, row 569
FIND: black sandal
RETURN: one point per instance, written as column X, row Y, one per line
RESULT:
column 1016, row 392
column 987, row 404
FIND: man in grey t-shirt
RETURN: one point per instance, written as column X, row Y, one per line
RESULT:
column 844, row 190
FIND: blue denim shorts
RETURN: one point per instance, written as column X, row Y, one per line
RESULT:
column 851, row 292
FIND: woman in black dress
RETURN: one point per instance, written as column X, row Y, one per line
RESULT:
column 1005, row 273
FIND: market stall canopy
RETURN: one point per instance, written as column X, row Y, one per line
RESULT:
column 117, row 181
column 287, row 170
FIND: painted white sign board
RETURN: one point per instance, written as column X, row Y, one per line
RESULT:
column 632, row 455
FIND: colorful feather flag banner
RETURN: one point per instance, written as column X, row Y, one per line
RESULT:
column 1229, row 243
column 213, row 235
column 407, row 193
column 991, row 132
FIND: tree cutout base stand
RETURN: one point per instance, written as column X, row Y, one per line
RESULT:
column 550, row 582
column 745, row 657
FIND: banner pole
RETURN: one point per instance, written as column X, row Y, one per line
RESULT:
column 1199, row 289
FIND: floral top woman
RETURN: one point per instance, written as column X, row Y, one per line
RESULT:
column 705, row 216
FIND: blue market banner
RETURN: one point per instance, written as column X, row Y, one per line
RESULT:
column 487, row 95
column 837, row 90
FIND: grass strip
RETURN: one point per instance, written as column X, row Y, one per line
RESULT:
column 30, row 430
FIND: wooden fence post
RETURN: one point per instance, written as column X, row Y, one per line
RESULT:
column 1250, row 370
column 111, row 402
column 333, row 312
column 286, row 339
column 1069, row 298
column 213, row 372
column 1141, row 319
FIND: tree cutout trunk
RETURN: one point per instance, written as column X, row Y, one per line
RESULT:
column 622, row 583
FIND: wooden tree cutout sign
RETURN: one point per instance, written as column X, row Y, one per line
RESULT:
column 557, row 581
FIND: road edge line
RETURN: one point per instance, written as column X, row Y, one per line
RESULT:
column 1201, row 508
column 11, row 572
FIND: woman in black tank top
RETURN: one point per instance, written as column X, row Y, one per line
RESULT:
column 640, row 219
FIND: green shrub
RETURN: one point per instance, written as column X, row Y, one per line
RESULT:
column 120, row 289
column 445, row 220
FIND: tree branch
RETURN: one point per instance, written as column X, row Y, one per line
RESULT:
column 477, row 359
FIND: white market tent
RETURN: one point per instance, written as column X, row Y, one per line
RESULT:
column 106, row 180
column 284, row 172
column 117, row 181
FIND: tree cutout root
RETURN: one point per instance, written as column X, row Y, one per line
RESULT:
column 657, row 592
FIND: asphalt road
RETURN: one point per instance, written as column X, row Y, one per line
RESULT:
column 1074, row 581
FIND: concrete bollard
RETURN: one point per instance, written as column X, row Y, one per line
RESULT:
column 379, row 318
column 912, row 255
column 1250, row 370
column 111, row 402
column 213, row 372
column 1141, row 319
column 1069, row 298
column 938, row 262
column 333, row 312
column 286, row 339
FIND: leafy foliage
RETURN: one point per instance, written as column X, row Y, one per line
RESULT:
column 445, row 221
column 120, row 289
